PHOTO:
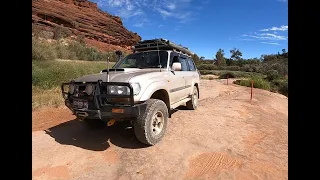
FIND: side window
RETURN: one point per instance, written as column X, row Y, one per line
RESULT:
column 191, row 65
column 184, row 66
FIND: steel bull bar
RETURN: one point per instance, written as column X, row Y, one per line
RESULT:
column 100, row 104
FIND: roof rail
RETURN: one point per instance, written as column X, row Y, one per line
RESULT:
column 180, row 52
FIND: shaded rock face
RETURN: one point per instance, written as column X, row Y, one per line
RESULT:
column 81, row 17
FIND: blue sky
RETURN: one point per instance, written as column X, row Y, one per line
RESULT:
column 255, row 27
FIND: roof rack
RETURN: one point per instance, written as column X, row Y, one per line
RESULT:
column 161, row 44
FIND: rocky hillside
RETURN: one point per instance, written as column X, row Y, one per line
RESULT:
column 83, row 18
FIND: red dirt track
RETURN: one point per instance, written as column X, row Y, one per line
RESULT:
column 227, row 137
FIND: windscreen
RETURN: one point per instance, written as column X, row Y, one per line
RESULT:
column 144, row 60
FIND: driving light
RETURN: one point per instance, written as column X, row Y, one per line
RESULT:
column 136, row 88
column 71, row 88
column 89, row 89
column 118, row 90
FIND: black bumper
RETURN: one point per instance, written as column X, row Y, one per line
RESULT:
column 98, row 107
column 106, row 112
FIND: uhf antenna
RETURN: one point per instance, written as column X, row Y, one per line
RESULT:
column 108, row 69
column 159, row 55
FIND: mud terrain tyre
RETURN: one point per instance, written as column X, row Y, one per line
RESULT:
column 193, row 103
column 151, row 126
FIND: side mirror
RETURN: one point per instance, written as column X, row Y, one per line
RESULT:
column 119, row 54
column 176, row 66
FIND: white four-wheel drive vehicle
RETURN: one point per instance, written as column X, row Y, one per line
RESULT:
column 143, row 87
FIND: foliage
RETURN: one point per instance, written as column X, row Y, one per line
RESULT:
column 227, row 75
column 44, row 50
column 272, row 75
column 50, row 74
column 196, row 59
column 258, row 82
column 61, row 32
column 220, row 58
column 235, row 54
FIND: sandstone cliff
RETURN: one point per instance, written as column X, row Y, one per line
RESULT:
column 81, row 17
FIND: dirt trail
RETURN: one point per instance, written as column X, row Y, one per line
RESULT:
column 227, row 137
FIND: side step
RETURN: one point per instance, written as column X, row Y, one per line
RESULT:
column 179, row 103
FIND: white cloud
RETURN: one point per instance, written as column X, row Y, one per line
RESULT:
column 272, row 43
column 265, row 37
column 282, row 0
column 115, row 3
column 272, row 36
column 136, row 10
column 124, row 13
column 182, row 17
column 165, row 13
column 141, row 23
column 171, row 6
column 160, row 25
column 282, row 28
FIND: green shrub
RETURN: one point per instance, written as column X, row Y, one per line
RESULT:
column 205, row 72
column 258, row 82
column 50, row 74
column 236, row 74
column 283, row 88
column 280, row 85
column 206, row 67
column 61, row 32
column 233, row 68
column 272, row 75
column 227, row 75
column 42, row 51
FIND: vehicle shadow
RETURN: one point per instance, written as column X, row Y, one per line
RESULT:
column 94, row 135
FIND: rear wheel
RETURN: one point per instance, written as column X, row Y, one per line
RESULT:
column 150, row 127
column 193, row 103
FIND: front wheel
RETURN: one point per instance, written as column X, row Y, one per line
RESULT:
column 193, row 103
column 150, row 127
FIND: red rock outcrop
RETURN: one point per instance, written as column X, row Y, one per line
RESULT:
column 81, row 17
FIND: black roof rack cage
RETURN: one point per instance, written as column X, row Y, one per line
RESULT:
column 161, row 44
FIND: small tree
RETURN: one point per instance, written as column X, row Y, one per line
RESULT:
column 283, row 51
column 235, row 54
column 61, row 32
column 196, row 58
column 220, row 58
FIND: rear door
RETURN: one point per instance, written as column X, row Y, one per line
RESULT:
column 190, row 76
column 177, row 80
column 185, row 73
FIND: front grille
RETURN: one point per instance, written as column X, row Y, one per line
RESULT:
column 120, row 101
column 99, row 97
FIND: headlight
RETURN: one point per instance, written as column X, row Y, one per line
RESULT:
column 89, row 89
column 118, row 90
column 71, row 88
column 136, row 88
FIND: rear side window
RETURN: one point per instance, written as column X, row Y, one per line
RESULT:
column 184, row 66
column 191, row 65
